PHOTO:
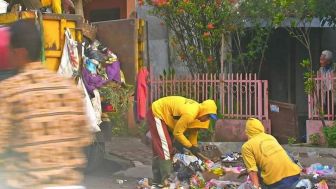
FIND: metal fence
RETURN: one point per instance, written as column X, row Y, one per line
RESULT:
column 238, row 96
column 322, row 98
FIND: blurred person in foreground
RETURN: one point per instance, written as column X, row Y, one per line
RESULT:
column 179, row 117
column 262, row 154
column 43, row 124
column 6, row 70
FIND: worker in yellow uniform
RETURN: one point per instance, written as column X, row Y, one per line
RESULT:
column 179, row 116
column 263, row 154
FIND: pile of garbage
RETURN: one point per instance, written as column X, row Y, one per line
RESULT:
column 317, row 169
column 100, row 66
column 320, row 176
column 190, row 172
column 101, row 70
column 227, row 171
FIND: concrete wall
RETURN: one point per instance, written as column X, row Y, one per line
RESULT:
column 315, row 126
column 157, row 40
column 233, row 130
column 226, row 147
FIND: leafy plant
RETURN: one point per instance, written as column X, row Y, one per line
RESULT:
column 120, row 127
column 119, row 97
column 143, row 128
column 291, row 140
column 314, row 139
column 209, row 135
column 330, row 135
column 202, row 29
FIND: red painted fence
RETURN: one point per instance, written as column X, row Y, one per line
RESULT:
column 239, row 96
column 322, row 98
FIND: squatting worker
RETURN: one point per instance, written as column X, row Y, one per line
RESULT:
column 263, row 154
column 179, row 116
column 43, row 123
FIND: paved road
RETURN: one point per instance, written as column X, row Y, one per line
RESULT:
column 107, row 174
column 126, row 159
column 102, row 177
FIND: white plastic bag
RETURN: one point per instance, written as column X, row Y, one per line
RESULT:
column 69, row 65
column 3, row 6
column 94, row 123
column 186, row 159
column 304, row 183
column 96, row 104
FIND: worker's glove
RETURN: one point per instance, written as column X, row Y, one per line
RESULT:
column 178, row 147
column 194, row 150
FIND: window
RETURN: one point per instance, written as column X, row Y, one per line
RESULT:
column 104, row 14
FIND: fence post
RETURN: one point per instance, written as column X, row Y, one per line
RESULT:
column 259, row 98
column 309, row 107
column 266, row 99
column 332, row 97
column 237, row 95
column 222, row 92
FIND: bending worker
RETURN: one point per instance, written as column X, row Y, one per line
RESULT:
column 263, row 154
column 179, row 116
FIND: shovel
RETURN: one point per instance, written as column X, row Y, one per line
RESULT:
column 202, row 157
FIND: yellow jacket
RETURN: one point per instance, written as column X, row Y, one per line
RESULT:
column 262, row 151
column 180, row 114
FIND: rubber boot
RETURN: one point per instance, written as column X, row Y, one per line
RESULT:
column 161, row 170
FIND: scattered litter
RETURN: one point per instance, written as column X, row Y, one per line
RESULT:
column 306, row 183
column 221, row 184
column 313, row 154
column 320, row 170
column 138, row 164
column 322, row 185
column 236, row 170
column 189, row 172
column 119, row 181
column 233, row 156
column 143, row 184
column 185, row 159
column 209, row 164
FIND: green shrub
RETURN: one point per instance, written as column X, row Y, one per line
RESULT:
column 314, row 139
column 291, row 140
column 330, row 135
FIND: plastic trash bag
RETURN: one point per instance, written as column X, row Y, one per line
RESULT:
column 304, row 183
